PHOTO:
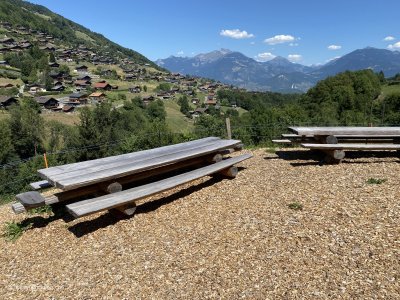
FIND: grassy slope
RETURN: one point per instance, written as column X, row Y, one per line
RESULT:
column 390, row 89
column 177, row 121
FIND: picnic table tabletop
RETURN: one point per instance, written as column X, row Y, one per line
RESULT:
column 346, row 130
column 76, row 175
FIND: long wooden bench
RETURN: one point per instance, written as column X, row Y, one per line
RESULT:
column 356, row 146
column 127, row 197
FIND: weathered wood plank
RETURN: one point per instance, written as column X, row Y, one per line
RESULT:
column 352, row 146
column 31, row 199
column 282, row 141
column 85, row 207
column 19, row 208
column 38, row 185
column 73, row 180
column 49, row 172
column 371, row 131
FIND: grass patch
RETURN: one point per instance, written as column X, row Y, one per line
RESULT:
column 271, row 150
column 45, row 209
column 295, row 206
column 13, row 230
column 390, row 89
column 176, row 120
column 376, row 180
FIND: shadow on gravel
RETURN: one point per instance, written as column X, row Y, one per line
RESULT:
column 42, row 221
column 83, row 228
column 314, row 157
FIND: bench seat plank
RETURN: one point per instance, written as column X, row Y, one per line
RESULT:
column 86, row 207
column 82, row 166
column 80, row 179
column 282, row 141
column 370, row 131
column 38, row 185
column 352, row 146
column 31, row 199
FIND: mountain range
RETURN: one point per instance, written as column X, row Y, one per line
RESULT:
column 278, row 74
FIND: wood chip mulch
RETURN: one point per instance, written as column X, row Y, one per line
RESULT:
column 226, row 239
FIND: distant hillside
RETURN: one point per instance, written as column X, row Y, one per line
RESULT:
column 368, row 58
column 35, row 17
column 278, row 74
column 239, row 70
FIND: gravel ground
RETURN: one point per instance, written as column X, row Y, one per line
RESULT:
column 226, row 239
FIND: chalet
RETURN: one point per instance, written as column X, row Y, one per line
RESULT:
column 147, row 100
column 48, row 47
column 212, row 102
column 7, row 101
column 135, row 89
column 58, row 88
column 97, row 97
column 86, row 77
column 195, row 100
column 68, row 108
column 54, row 65
column 199, row 111
column 25, row 46
column 6, row 85
column 7, row 41
column 35, row 88
column 56, row 75
column 82, row 83
column 78, row 98
column 47, row 102
column 82, row 69
column 102, row 86
column 107, row 73
column 130, row 77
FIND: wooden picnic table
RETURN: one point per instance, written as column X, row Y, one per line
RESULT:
column 335, row 140
column 109, row 176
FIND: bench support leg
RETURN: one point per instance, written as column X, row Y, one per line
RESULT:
column 334, row 156
column 231, row 172
column 126, row 210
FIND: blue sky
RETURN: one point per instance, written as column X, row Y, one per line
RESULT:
column 308, row 31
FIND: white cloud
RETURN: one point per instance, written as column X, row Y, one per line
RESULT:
column 389, row 38
column 266, row 56
column 180, row 53
column 334, row 47
column 236, row 34
column 395, row 46
column 279, row 39
column 295, row 57
column 293, row 44
column 252, row 43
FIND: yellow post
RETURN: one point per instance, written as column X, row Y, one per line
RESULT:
column 45, row 160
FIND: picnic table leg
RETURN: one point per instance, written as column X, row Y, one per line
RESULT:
column 334, row 156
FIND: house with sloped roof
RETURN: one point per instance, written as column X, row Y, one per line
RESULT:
column 102, row 86
column 97, row 97
column 7, row 101
column 47, row 102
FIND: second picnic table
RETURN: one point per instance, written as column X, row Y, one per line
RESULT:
column 334, row 140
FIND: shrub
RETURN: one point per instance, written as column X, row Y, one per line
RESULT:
column 376, row 180
column 295, row 206
column 13, row 230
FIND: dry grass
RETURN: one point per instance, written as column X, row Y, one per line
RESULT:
column 226, row 239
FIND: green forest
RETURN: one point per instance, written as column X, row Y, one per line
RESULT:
column 349, row 98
